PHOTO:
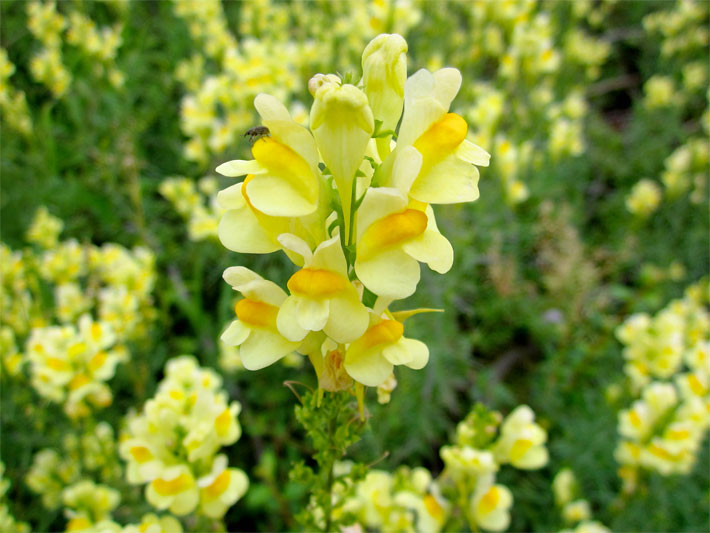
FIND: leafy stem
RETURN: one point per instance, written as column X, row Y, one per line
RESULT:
column 332, row 426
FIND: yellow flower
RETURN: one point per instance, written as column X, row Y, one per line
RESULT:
column 151, row 523
column 490, row 506
column 245, row 229
column 255, row 331
column 392, row 237
column 174, row 489
column 522, row 442
column 370, row 359
column 447, row 173
column 644, row 198
column 285, row 165
column 322, row 296
column 384, row 67
column 221, row 488
column 342, row 123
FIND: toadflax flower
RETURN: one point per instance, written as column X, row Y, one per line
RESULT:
column 349, row 202
column 255, row 330
column 322, row 297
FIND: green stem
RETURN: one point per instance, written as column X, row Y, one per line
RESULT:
column 331, row 478
column 353, row 194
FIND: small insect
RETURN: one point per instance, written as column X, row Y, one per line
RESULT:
column 257, row 133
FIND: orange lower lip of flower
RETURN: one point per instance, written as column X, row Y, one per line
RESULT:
column 256, row 314
column 386, row 332
column 219, row 485
column 174, row 486
column 316, row 283
column 442, row 137
column 392, row 229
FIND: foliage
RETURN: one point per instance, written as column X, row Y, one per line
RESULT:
column 581, row 104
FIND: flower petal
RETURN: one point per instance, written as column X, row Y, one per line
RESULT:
column 312, row 314
column 448, row 182
column 264, row 347
column 238, row 276
column 240, row 167
column 296, row 245
column 432, row 248
column 378, row 203
column 348, row 318
column 474, row 154
column 419, row 352
column 329, row 256
column 231, row 197
column 240, row 231
column 287, row 320
column 278, row 197
column 447, row 82
column 406, row 168
column 368, row 367
column 283, row 128
column 235, row 334
column 392, row 274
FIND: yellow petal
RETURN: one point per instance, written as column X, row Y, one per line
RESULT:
column 368, row 367
column 432, row 248
column 287, row 321
column 392, row 274
column 312, row 313
column 378, row 203
column 240, row 167
column 329, row 256
column 263, row 348
column 276, row 196
column 239, row 230
column 235, row 334
column 392, row 230
column 348, row 318
column 450, row 181
column 474, row 154
column 256, row 314
column 317, row 283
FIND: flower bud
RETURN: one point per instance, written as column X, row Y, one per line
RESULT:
column 342, row 124
column 384, row 67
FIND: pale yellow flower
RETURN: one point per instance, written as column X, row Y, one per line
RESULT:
column 255, row 331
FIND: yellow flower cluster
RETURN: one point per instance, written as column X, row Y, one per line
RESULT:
column 101, row 299
column 412, row 500
column 87, row 503
column 532, row 46
column 171, row 444
column 7, row 521
column 408, row 500
column 683, row 27
column 46, row 66
column 90, row 454
column 71, row 365
column 196, row 205
column 64, row 480
column 575, row 511
column 644, row 198
column 99, row 45
column 663, row 430
column 352, row 210
column 687, row 169
column 114, row 281
column 13, row 103
column 213, row 112
column 482, row 445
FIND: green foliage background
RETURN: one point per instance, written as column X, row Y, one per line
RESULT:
column 97, row 157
